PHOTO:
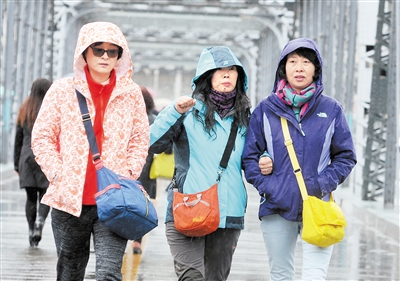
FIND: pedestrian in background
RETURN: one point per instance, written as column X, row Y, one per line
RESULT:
column 150, row 185
column 323, row 143
column 102, row 74
column 31, row 177
column 198, row 127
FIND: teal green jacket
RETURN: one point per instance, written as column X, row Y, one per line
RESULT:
column 197, row 154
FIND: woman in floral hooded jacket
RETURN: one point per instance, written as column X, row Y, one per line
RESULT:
column 103, row 70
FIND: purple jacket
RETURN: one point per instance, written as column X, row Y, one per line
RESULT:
column 322, row 141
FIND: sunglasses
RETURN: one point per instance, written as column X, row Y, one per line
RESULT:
column 98, row 52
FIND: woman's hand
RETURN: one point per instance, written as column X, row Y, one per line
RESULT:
column 265, row 164
column 184, row 103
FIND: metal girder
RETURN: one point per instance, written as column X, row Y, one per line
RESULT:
column 170, row 35
column 168, row 26
column 25, row 56
column 379, row 173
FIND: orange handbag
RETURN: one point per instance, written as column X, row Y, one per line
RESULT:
column 198, row 214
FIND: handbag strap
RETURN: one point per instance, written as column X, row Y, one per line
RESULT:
column 229, row 146
column 227, row 153
column 228, row 149
column 88, row 126
column 293, row 159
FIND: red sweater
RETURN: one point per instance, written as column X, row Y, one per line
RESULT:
column 100, row 95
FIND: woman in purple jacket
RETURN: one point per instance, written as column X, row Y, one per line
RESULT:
column 324, row 147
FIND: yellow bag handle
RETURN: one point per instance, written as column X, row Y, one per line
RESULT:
column 293, row 159
column 295, row 162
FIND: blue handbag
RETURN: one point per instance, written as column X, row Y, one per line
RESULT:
column 123, row 205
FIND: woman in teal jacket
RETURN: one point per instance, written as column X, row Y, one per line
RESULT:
column 198, row 128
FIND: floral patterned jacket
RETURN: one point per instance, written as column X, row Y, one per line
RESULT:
column 59, row 140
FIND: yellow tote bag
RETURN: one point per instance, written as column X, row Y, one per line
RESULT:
column 323, row 222
column 163, row 166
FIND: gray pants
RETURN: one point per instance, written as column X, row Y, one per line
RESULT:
column 72, row 237
column 202, row 258
column 280, row 237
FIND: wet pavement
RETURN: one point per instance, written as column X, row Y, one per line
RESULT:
column 19, row 261
column 369, row 251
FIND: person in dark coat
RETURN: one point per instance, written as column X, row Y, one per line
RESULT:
column 31, row 176
column 323, row 143
column 150, row 185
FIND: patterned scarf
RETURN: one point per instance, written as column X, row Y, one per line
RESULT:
column 223, row 102
column 298, row 102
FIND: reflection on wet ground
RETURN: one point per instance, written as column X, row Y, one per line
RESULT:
column 18, row 260
column 364, row 254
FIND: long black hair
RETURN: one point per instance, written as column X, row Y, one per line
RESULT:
column 241, row 105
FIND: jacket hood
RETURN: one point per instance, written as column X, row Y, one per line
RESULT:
column 294, row 45
column 102, row 32
column 217, row 57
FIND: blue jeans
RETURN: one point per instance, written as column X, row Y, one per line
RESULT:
column 280, row 236
column 72, row 237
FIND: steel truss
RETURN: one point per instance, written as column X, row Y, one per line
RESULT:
column 26, row 54
column 379, row 172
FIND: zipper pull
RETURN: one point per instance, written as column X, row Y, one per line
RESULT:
column 301, row 129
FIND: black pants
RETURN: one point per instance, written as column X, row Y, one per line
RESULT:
column 33, row 207
column 72, row 237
